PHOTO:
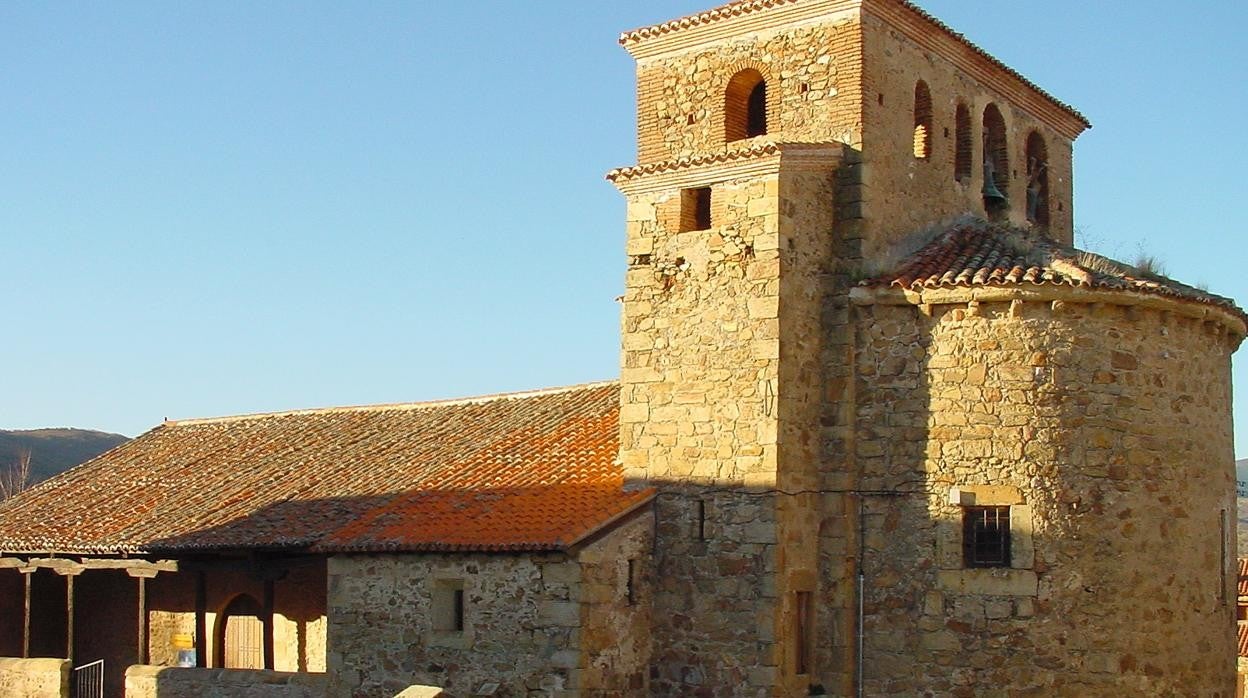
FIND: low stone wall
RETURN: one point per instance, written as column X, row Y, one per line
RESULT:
column 144, row 681
column 34, row 678
column 421, row 692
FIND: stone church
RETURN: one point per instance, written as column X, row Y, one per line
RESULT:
column 879, row 430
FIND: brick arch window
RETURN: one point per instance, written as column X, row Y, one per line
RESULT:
column 996, row 162
column 745, row 106
column 922, row 121
column 240, row 635
column 962, row 148
column 1037, row 154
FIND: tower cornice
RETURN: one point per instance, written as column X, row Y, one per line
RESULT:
column 761, row 158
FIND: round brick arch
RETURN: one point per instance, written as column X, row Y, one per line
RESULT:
column 746, row 77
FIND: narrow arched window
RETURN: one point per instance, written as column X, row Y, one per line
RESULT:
column 745, row 106
column 240, row 635
column 996, row 163
column 922, row 121
column 756, row 120
column 962, row 144
column 1037, row 180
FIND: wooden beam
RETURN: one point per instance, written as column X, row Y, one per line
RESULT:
column 64, row 565
column 69, row 618
column 259, row 569
column 201, row 620
column 142, row 618
column 268, row 624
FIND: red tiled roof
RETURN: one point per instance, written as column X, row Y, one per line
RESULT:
column 973, row 252
column 1243, row 576
column 529, row 471
column 1242, row 629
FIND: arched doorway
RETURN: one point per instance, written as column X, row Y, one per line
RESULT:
column 240, row 635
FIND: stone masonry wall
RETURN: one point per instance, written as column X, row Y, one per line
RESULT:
column 906, row 194
column 721, row 336
column 850, row 78
column 521, row 624
column 535, row 625
column 698, row 420
column 616, row 612
column 813, row 75
column 1108, row 429
column 34, row 678
column 145, row 681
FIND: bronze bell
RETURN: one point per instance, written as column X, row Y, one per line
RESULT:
column 992, row 195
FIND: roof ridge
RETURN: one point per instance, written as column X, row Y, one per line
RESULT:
column 395, row 406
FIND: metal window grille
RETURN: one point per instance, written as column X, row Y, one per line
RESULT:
column 986, row 536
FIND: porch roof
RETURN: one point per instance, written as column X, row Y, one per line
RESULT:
column 525, row 471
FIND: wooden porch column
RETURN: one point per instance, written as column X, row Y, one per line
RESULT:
column 142, row 608
column 29, row 574
column 69, row 617
column 268, row 624
column 143, row 635
column 201, row 620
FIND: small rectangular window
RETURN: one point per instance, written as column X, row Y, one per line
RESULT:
column 630, row 588
column 804, row 623
column 458, row 619
column 449, row 606
column 701, row 519
column 986, row 536
column 695, row 209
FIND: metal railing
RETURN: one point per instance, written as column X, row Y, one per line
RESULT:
column 87, row 681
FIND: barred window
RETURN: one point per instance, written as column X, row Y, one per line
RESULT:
column 986, row 536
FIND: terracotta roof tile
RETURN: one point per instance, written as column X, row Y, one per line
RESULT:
column 752, row 150
column 1243, row 576
column 972, row 252
column 1242, row 632
column 533, row 471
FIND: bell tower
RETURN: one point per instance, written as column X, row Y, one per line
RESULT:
column 785, row 147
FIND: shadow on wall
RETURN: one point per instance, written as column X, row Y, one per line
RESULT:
column 1097, row 439
column 160, row 682
column 1036, row 492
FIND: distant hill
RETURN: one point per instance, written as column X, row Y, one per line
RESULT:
column 54, row 451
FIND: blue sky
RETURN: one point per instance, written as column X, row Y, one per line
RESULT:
column 214, row 208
